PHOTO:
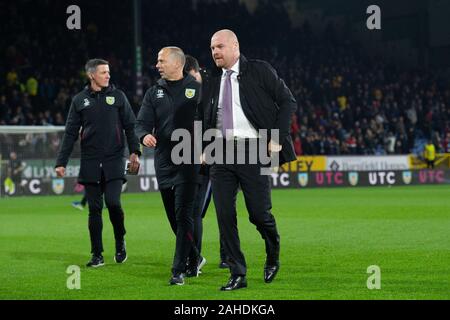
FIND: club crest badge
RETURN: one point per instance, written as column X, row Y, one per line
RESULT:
column 110, row 100
column 407, row 177
column 189, row 93
column 353, row 178
column 58, row 186
column 303, row 179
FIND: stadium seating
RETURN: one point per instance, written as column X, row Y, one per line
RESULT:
column 348, row 102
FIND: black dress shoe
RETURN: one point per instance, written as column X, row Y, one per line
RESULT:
column 270, row 271
column 235, row 282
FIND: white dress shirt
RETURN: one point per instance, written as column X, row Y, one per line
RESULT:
column 242, row 128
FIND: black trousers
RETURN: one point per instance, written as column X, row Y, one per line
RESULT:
column 225, row 179
column 179, row 205
column 201, row 204
column 84, row 200
column 111, row 190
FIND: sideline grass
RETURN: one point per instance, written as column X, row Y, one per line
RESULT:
column 328, row 239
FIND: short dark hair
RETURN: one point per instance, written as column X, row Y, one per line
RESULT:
column 92, row 65
column 191, row 64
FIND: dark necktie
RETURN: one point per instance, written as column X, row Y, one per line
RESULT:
column 227, row 104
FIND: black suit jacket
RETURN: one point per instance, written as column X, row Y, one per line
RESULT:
column 266, row 101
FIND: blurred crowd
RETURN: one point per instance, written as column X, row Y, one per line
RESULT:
column 348, row 102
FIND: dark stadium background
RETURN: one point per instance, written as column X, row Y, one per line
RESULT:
column 394, row 80
column 360, row 92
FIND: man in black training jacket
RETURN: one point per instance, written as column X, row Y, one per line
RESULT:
column 103, row 113
column 169, row 105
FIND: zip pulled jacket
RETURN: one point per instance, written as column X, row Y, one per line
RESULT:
column 167, row 106
column 105, row 118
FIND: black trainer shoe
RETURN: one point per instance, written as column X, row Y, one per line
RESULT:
column 193, row 270
column 96, row 261
column 177, row 279
column 121, row 253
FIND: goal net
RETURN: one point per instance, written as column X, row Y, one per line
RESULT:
column 28, row 157
column 27, row 153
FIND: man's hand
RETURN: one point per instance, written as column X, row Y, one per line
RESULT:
column 202, row 159
column 134, row 163
column 60, row 172
column 274, row 147
column 149, row 141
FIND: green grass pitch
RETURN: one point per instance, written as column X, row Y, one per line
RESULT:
column 329, row 237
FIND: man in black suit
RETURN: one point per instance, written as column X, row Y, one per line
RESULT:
column 240, row 98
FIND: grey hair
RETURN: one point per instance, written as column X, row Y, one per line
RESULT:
column 92, row 65
column 178, row 54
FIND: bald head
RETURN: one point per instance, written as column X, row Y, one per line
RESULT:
column 171, row 62
column 226, row 34
column 225, row 48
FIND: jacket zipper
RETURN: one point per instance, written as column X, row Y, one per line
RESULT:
column 119, row 140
